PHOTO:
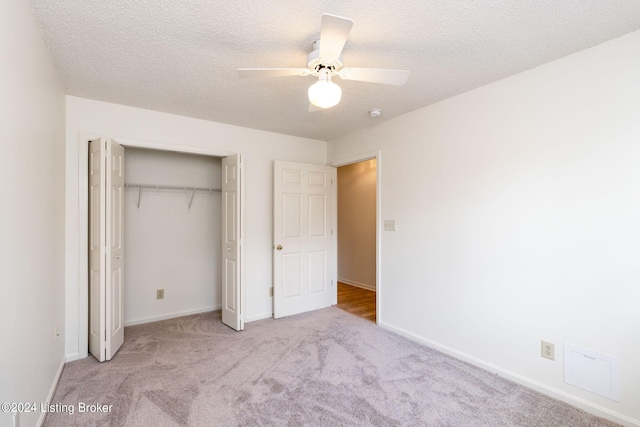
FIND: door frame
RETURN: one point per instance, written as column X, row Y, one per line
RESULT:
column 83, row 216
column 344, row 161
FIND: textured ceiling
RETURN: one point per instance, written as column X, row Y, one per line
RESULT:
column 180, row 56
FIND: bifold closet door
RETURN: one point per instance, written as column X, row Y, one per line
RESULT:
column 232, row 233
column 106, row 248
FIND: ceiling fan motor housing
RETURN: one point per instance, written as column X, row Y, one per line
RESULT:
column 315, row 63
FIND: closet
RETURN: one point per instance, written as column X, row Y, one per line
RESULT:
column 164, row 239
column 172, row 235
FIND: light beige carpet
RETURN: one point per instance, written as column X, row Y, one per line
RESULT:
column 325, row 368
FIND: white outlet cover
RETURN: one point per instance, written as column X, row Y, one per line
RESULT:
column 552, row 350
column 389, row 225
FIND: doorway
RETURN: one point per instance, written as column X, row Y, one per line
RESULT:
column 357, row 238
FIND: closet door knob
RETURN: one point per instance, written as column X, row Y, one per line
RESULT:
column 279, row 247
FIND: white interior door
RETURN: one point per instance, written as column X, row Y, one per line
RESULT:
column 304, row 260
column 106, row 248
column 232, row 289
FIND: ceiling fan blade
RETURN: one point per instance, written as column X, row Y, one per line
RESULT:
column 272, row 72
column 375, row 75
column 333, row 35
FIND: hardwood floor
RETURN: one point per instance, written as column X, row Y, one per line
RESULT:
column 358, row 301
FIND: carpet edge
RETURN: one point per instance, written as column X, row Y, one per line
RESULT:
column 568, row 398
column 152, row 319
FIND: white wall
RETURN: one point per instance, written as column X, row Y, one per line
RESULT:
column 32, row 118
column 518, row 216
column 167, row 244
column 259, row 148
column 357, row 224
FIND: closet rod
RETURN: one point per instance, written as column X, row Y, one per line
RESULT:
column 171, row 187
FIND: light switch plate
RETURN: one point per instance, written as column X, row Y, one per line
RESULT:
column 389, row 225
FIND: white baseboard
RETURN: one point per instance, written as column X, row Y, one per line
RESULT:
column 52, row 390
column 170, row 315
column 71, row 357
column 265, row 315
column 358, row 284
column 578, row 402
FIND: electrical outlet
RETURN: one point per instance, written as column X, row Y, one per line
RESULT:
column 160, row 294
column 389, row 225
column 548, row 350
column 271, row 291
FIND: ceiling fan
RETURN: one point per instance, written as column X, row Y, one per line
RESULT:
column 325, row 62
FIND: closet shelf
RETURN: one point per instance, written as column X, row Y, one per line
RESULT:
column 170, row 187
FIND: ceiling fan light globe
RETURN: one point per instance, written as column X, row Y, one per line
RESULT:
column 324, row 94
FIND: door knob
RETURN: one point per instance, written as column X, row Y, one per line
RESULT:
column 279, row 247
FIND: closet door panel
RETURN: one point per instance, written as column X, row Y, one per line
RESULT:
column 232, row 292
column 106, row 257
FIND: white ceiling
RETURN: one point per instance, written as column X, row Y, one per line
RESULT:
column 180, row 56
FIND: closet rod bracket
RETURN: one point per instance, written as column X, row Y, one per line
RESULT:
column 193, row 193
column 171, row 187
